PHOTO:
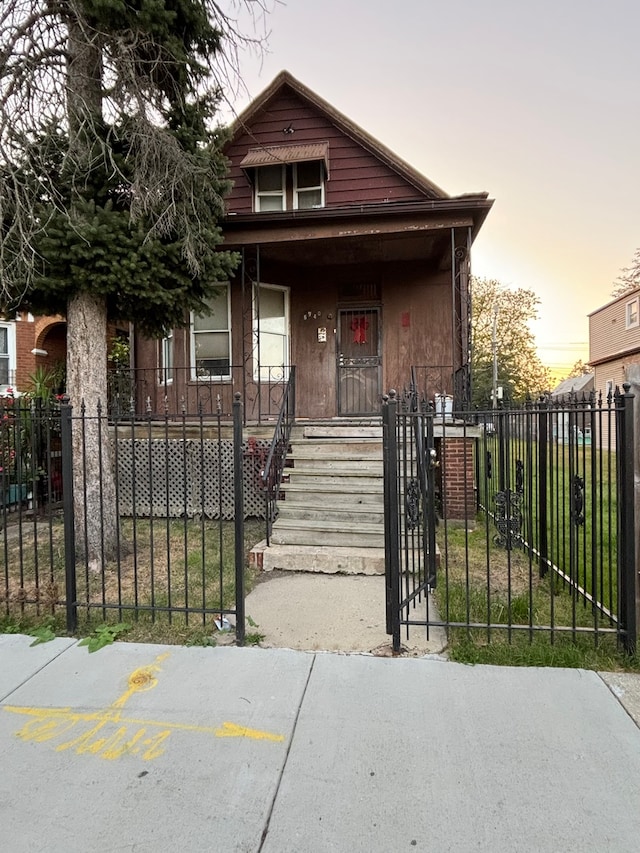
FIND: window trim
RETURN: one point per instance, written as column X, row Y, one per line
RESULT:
column 166, row 347
column 631, row 304
column 10, row 355
column 255, row 322
column 221, row 377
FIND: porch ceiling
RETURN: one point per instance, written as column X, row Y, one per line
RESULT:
column 359, row 249
column 370, row 234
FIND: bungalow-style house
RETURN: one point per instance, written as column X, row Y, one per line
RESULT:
column 354, row 268
column 614, row 346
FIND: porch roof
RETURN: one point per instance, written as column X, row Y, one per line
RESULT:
column 378, row 233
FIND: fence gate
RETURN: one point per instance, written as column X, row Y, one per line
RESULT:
column 536, row 540
column 410, row 513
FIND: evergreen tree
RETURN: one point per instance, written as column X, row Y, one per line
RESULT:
column 111, row 184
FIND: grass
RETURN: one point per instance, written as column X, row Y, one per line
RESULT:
column 180, row 568
column 487, row 585
column 593, row 542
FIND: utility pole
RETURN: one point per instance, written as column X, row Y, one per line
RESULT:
column 494, row 351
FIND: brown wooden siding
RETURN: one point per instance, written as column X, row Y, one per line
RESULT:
column 417, row 323
column 355, row 174
column 608, row 336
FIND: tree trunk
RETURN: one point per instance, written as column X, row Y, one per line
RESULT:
column 94, row 494
column 93, row 477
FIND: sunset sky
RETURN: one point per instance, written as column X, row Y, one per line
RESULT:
column 537, row 103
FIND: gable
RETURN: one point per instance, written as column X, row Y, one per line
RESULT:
column 359, row 170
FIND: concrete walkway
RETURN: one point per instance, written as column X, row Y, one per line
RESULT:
column 334, row 613
column 153, row 748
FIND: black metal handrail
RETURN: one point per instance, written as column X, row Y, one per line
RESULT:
column 272, row 472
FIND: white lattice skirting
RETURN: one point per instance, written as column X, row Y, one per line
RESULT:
column 174, row 478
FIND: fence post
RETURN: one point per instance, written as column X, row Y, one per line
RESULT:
column 629, row 586
column 68, row 512
column 391, row 532
column 543, row 441
column 238, row 514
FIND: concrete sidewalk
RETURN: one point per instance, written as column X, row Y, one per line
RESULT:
column 152, row 748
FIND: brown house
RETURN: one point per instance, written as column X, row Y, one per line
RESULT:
column 354, row 268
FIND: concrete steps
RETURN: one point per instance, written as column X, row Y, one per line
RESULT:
column 322, row 532
column 331, row 516
column 324, row 559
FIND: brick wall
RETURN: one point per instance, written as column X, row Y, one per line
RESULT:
column 25, row 342
column 43, row 333
column 458, row 478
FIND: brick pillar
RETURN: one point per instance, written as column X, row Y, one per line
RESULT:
column 458, row 478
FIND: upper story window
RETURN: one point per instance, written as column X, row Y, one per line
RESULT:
column 288, row 177
column 308, row 185
column 270, row 188
column 632, row 315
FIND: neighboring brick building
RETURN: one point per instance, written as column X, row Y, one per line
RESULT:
column 29, row 342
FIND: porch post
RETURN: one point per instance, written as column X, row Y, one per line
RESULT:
column 461, row 320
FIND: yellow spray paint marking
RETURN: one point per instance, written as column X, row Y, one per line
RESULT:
column 232, row 730
column 109, row 734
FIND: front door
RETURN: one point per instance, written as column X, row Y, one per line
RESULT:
column 359, row 361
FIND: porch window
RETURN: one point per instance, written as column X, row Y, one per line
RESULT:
column 270, row 188
column 632, row 315
column 7, row 353
column 308, row 185
column 166, row 359
column 271, row 331
column 211, row 338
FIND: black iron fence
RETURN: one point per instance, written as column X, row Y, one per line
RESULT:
column 157, row 528
column 536, row 520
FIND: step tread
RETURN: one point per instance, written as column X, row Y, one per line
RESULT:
column 373, row 488
column 326, row 524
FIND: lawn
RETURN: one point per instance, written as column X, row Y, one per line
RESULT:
column 516, row 616
column 173, row 576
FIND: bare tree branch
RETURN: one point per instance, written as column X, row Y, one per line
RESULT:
column 138, row 87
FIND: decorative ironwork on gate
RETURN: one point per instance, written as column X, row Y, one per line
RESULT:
column 536, row 528
column 409, row 508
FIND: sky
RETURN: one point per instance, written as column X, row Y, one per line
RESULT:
column 536, row 103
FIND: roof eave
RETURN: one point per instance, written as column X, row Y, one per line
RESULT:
column 477, row 206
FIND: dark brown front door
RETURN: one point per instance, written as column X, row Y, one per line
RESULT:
column 359, row 361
